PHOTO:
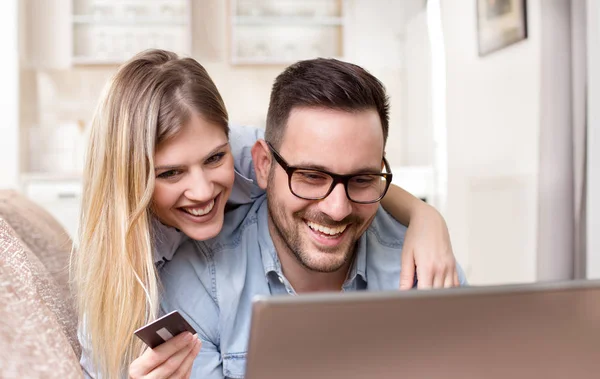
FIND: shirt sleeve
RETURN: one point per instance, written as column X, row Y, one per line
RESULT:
column 462, row 278
column 245, row 190
column 86, row 359
column 189, row 287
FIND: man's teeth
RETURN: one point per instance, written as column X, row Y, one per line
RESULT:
column 201, row 211
column 326, row 230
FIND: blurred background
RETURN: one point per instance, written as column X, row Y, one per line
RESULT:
column 492, row 103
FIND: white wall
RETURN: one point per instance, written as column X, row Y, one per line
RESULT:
column 9, row 95
column 555, row 242
column 383, row 37
column 493, row 118
column 593, row 141
column 417, row 128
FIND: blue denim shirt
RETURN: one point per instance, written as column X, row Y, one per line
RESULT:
column 212, row 283
column 168, row 239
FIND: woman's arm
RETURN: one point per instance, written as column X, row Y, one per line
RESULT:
column 427, row 244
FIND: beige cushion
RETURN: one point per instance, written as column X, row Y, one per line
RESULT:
column 33, row 340
column 43, row 236
column 46, row 238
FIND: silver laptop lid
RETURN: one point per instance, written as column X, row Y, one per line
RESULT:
column 549, row 330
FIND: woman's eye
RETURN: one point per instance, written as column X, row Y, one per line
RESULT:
column 215, row 158
column 168, row 174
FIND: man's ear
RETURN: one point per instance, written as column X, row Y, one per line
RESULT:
column 261, row 156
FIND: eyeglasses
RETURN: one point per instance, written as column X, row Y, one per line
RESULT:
column 314, row 184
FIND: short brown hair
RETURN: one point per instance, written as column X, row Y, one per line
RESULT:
column 324, row 83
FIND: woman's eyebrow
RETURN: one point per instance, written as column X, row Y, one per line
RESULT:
column 216, row 149
column 173, row 167
column 166, row 168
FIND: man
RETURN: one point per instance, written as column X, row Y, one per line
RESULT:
column 319, row 228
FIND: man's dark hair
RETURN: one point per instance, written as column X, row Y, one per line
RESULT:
column 324, row 83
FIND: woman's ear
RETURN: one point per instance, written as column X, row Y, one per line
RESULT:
column 261, row 156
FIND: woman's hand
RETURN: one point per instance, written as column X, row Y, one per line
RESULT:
column 172, row 359
column 427, row 246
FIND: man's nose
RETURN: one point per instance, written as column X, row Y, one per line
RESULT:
column 336, row 205
column 199, row 187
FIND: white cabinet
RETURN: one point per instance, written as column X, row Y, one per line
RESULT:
column 111, row 31
column 60, row 33
column 285, row 31
column 60, row 196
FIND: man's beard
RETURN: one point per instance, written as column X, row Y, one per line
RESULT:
column 290, row 235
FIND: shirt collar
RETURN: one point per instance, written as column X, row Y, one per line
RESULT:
column 271, row 261
column 166, row 240
column 359, row 266
column 268, row 253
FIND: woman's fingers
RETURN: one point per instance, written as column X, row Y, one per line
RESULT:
column 438, row 280
column 449, row 280
column 185, row 369
column 152, row 359
column 169, row 367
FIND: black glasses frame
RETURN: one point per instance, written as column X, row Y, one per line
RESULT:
column 344, row 179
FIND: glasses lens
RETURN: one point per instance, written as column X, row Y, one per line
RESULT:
column 366, row 188
column 310, row 184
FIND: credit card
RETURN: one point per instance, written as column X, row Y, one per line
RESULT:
column 163, row 329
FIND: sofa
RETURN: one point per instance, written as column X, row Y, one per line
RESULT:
column 38, row 322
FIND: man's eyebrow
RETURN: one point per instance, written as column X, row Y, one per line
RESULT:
column 362, row 170
column 173, row 167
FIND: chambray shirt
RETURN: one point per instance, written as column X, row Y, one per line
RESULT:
column 168, row 239
column 212, row 283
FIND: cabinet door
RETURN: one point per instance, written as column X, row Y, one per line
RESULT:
column 47, row 34
column 61, row 199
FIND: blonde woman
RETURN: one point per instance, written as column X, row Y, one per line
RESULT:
column 160, row 168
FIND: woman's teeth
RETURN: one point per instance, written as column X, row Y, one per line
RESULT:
column 326, row 230
column 200, row 211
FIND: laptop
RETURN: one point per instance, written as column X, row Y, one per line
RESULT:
column 543, row 330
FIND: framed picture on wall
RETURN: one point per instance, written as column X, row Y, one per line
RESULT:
column 500, row 23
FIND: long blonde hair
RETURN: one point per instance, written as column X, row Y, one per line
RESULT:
column 113, row 273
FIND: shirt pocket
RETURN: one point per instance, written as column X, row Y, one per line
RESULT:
column 234, row 365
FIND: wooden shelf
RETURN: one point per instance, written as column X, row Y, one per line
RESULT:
column 83, row 60
column 116, row 34
column 281, row 33
column 137, row 21
column 288, row 20
column 267, row 61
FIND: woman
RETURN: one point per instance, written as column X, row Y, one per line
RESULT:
column 161, row 127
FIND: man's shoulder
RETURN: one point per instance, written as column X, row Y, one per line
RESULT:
column 383, row 242
column 237, row 222
column 386, row 231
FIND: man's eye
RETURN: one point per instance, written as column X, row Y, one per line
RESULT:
column 364, row 179
column 311, row 176
column 169, row 174
column 215, row 158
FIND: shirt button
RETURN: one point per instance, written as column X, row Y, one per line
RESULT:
column 280, row 279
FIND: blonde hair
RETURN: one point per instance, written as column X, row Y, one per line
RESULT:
column 113, row 272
